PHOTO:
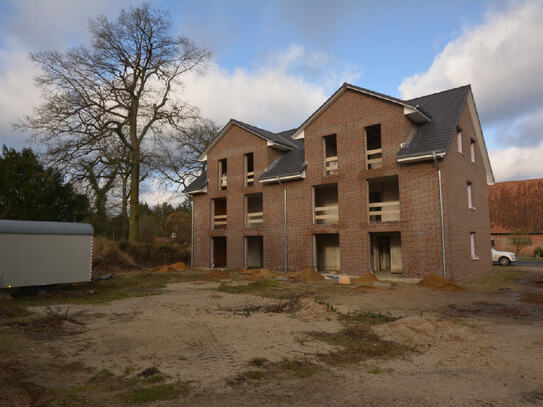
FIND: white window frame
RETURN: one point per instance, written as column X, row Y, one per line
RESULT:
column 472, row 150
column 470, row 196
column 472, row 246
column 459, row 141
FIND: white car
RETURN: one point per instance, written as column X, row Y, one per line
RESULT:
column 504, row 258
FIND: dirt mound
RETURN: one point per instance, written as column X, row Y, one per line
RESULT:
column 422, row 332
column 216, row 275
column 532, row 298
column 259, row 274
column 365, row 279
column 307, row 274
column 439, row 283
column 179, row 266
column 309, row 309
column 164, row 269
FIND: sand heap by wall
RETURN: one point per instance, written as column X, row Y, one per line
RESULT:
column 307, row 274
column 439, row 283
column 365, row 279
column 170, row 268
column 422, row 332
column 259, row 274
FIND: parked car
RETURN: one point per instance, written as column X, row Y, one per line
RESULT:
column 504, row 258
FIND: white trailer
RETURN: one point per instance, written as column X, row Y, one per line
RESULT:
column 42, row 253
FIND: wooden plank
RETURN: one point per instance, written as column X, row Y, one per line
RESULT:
column 375, row 161
column 254, row 221
column 222, row 222
column 220, row 216
column 331, row 159
column 254, row 214
column 376, row 151
column 326, row 217
column 380, row 213
column 379, row 204
column 326, row 208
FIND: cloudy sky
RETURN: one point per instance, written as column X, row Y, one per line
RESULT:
column 274, row 62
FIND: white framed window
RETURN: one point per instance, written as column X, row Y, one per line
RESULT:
column 472, row 246
column 472, row 150
column 470, row 200
column 459, row 140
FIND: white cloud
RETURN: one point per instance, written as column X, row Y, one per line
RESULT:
column 271, row 96
column 517, row 162
column 502, row 58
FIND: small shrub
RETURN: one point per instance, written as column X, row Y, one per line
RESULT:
column 159, row 392
column 538, row 252
column 258, row 362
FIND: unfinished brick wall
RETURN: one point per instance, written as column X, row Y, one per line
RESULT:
column 458, row 169
column 419, row 222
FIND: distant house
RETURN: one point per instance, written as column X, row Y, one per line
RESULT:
column 355, row 188
column 516, row 212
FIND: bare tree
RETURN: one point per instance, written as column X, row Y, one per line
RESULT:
column 123, row 87
column 178, row 152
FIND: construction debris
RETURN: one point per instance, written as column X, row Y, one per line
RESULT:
column 307, row 274
column 439, row 283
column 344, row 280
column 366, row 279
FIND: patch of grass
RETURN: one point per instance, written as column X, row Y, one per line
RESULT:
column 258, row 362
column 156, row 378
column 102, row 376
column 48, row 326
column 158, row 392
column 283, row 370
column 128, row 370
column 368, row 317
column 357, row 343
column 251, row 288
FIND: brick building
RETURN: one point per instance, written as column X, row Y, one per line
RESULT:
column 355, row 188
column 516, row 209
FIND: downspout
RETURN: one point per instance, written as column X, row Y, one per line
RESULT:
column 441, row 215
column 191, row 232
column 285, row 221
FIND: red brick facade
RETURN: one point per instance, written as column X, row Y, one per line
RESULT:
column 419, row 224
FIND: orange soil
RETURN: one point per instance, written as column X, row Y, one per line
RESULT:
column 307, row 274
column 216, row 275
column 259, row 274
column 367, row 278
column 439, row 283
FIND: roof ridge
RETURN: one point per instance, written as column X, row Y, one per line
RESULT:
column 441, row 91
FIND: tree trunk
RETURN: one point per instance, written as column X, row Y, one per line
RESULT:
column 134, row 221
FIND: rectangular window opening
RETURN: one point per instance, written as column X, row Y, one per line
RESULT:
column 472, row 245
column 374, row 151
column 218, row 251
column 254, row 214
column 326, row 204
column 249, row 170
column 472, row 150
column 219, row 213
column 327, row 254
column 223, row 181
column 470, row 200
column 459, row 139
column 384, row 199
column 330, row 155
column 254, row 252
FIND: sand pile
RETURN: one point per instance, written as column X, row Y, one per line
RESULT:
column 422, row 332
column 216, row 275
column 259, row 274
column 439, row 283
column 365, row 279
column 309, row 309
column 179, row 266
column 307, row 274
column 532, row 298
column 170, row 268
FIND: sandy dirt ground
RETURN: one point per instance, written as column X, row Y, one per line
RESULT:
column 478, row 347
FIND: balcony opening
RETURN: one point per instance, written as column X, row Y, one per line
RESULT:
column 326, row 204
column 249, row 170
column 330, row 154
column 374, row 152
column 254, row 250
column 218, row 252
column 223, row 181
column 253, row 209
column 386, row 252
column 219, row 213
column 326, row 249
column 384, row 199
